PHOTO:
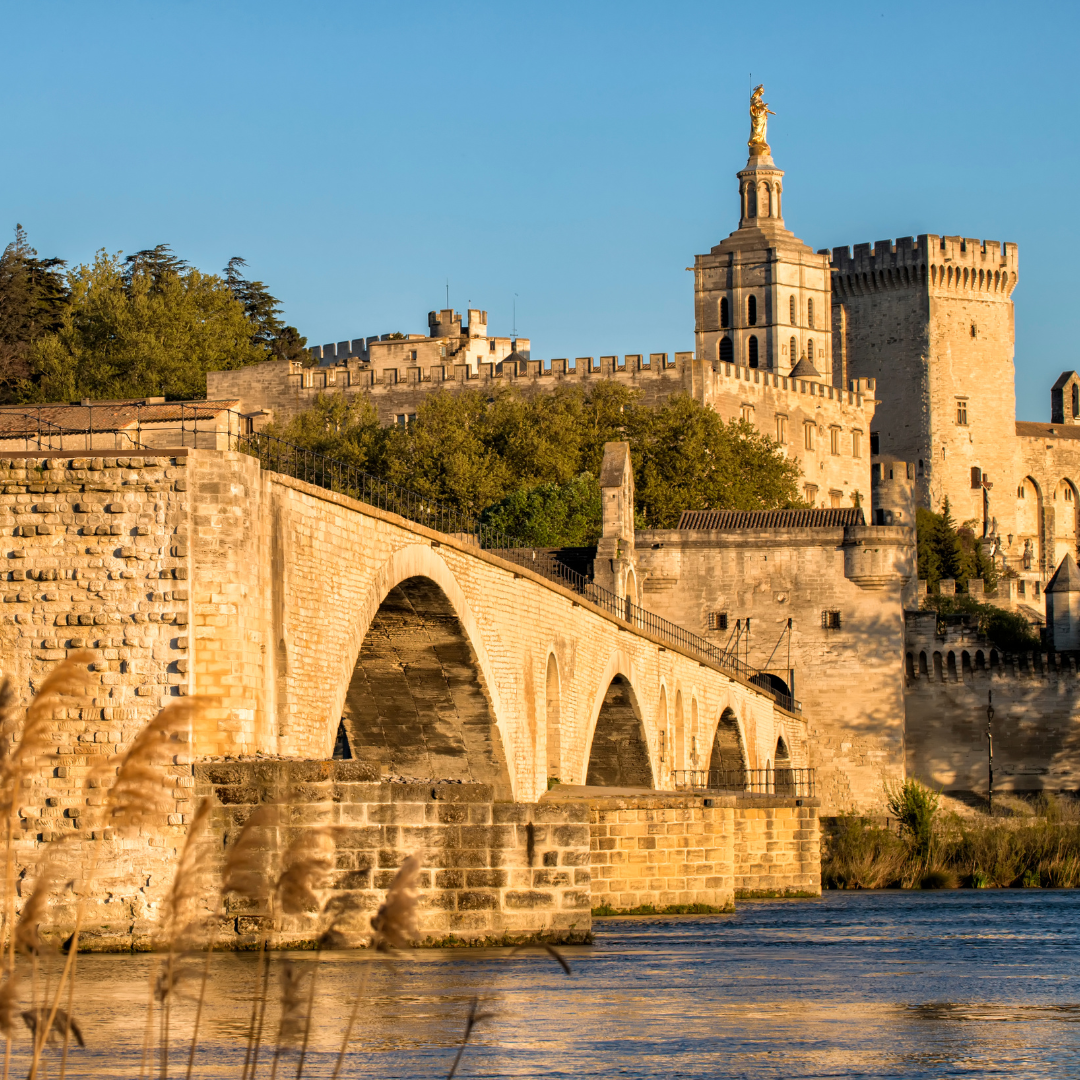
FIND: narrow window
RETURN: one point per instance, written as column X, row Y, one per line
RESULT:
column 751, row 352
column 727, row 351
column 810, row 314
column 781, row 430
column 717, row 620
column 810, row 493
column 1076, row 399
column 875, row 446
column 961, row 411
column 794, row 345
column 748, row 413
column 830, row 620
column 792, row 317
column 724, row 313
column 808, row 435
column 1068, row 495
column 751, row 311
column 976, row 477
column 662, row 748
column 834, row 441
column 810, row 350
column 856, row 444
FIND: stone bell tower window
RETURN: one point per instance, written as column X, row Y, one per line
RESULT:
column 725, row 314
column 751, row 351
column 751, row 311
column 810, row 313
column 792, row 317
column 810, row 350
column 794, row 348
column 727, row 350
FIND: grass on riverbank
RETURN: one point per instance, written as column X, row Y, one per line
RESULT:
column 1038, row 848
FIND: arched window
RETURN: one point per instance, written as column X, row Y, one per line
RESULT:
column 727, row 350
column 725, row 316
column 810, row 350
column 751, row 352
column 751, row 311
column 810, row 313
column 793, row 347
column 791, row 311
column 751, row 200
column 1076, row 399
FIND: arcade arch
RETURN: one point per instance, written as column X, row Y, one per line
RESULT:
column 619, row 752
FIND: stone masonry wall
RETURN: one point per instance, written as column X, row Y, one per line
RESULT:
column 777, row 849
column 493, row 872
column 1036, row 699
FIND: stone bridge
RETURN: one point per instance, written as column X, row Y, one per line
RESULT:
column 296, row 613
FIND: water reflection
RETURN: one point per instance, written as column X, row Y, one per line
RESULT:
column 856, row 985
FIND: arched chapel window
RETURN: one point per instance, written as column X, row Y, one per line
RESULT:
column 727, row 350
column 793, row 347
column 810, row 313
column 751, row 352
column 791, row 311
column 751, row 311
column 810, row 350
column 725, row 316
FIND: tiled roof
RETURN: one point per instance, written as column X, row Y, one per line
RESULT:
column 728, row 520
column 106, row 415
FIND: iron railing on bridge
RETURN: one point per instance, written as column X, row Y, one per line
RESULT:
column 280, row 455
column 796, row 783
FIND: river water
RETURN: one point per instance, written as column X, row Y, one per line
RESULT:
column 892, row 984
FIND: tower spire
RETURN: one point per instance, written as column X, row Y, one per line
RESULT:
column 760, row 183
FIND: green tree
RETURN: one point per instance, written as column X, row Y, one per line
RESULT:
column 344, row 428
column 264, row 312
column 147, row 326
column 33, row 296
column 550, row 515
column 949, row 548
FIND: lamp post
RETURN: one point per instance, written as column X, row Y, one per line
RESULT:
column 990, row 750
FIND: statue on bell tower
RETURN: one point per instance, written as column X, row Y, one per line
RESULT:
column 759, row 122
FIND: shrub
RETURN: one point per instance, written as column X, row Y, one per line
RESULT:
column 914, row 806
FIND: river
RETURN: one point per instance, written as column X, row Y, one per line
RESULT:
column 892, row 984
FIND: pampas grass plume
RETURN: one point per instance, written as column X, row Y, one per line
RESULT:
column 395, row 923
column 307, row 865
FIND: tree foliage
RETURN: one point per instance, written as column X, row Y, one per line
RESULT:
column 33, row 296
column 530, row 462
column 946, row 550
column 1008, row 630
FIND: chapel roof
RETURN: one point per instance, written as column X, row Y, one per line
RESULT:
column 1067, row 577
column 731, row 520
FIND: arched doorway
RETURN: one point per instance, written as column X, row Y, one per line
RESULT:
column 416, row 704
column 619, row 755
column 552, row 712
column 1066, row 507
column 727, row 760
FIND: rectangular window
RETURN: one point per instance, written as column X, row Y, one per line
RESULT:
column 717, row 620
column 961, row 411
column 976, row 477
column 808, row 435
column 781, row 430
column 748, row 413
column 830, row 620
column 401, row 419
column 875, row 444
column 810, row 494
column 856, row 444
column 834, row 441
column 835, row 499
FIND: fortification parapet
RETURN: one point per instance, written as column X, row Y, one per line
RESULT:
column 892, row 491
column 986, row 266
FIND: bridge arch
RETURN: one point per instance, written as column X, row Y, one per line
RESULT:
column 617, row 747
column 418, row 697
column 728, row 742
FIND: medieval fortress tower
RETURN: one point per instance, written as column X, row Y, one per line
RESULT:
column 887, row 372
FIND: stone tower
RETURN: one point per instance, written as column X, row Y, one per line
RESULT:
column 762, row 296
column 931, row 319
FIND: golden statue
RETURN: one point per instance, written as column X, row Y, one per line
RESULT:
column 759, row 121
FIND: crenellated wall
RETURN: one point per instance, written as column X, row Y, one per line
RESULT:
column 950, row 673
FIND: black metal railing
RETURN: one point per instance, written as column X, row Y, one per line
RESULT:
column 279, row 455
column 780, row 781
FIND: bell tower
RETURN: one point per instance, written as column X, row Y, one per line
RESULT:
column 762, row 298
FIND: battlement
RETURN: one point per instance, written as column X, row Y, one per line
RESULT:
column 943, row 262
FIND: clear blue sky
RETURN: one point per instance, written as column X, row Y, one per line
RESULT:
column 576, row 154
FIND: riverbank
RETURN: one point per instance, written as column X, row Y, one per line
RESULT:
column 1027, row 844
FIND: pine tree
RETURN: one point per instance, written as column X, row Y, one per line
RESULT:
column 33, row 296
column 950, row 551
column 264, row 310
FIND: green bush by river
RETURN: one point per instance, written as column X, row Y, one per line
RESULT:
column 1037, row 844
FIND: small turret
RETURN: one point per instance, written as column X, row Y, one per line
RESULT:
column 1063, row 607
